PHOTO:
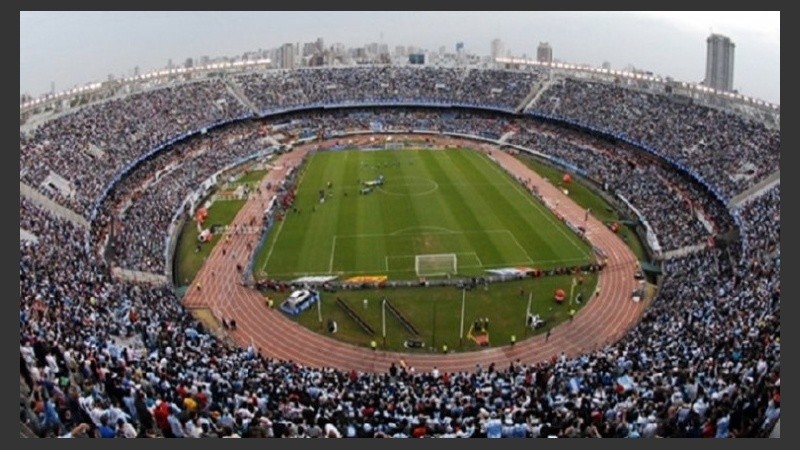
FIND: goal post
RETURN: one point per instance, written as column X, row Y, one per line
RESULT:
column 439, row 264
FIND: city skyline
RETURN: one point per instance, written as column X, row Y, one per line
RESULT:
column 91, row 45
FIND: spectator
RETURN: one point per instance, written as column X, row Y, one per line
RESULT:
column 703, row 360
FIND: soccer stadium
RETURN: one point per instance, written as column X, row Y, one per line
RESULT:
column 526, row 250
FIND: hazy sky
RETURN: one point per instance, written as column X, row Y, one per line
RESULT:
column 72, row 48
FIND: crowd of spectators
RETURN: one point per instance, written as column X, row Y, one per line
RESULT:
column 274, row 90
column 729, row 151
column 149, row 215
column 277, row 90
column 639, row 184
column 672, row 216
column 108, row 359
column 669, row 210
column 763, row 216
column 110, row 135
column 105, row 358
column 475, row 123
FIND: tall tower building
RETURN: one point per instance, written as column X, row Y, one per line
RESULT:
column 719, row 62
column 498, row 49
column 287, row 56
column 544, row 53
column 461, row 54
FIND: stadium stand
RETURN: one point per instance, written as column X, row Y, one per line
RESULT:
column 128, row 360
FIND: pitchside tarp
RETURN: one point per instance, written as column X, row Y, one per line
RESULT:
column 367, row 279
column 507, row 272
column 314, row 279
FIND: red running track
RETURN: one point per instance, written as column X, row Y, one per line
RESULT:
column 603, row 320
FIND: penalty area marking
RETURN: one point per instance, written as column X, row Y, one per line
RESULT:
column 445, row 230
column 434, row 231
column 548, row 214
column 460, row 256
column 530, row 260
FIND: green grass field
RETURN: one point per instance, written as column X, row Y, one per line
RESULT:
column 432, row 202
column 188, row 260
column 502, row 303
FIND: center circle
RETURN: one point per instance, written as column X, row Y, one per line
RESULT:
column 410, row 185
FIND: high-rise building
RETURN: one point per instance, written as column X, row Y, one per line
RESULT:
column 461, row 54
column 719, row 62
column 309, row 48
column 498, row 49
column 287, row 55
column 544, row 53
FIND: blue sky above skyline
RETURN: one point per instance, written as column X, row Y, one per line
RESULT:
column 74, row 48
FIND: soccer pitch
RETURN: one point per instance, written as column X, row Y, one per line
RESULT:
column 432, row 202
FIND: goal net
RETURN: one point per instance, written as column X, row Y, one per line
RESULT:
column 435, row 265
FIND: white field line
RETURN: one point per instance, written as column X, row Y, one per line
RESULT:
column 520, row 247
column 403, row 230
column 272, row 247
column 333, row 252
